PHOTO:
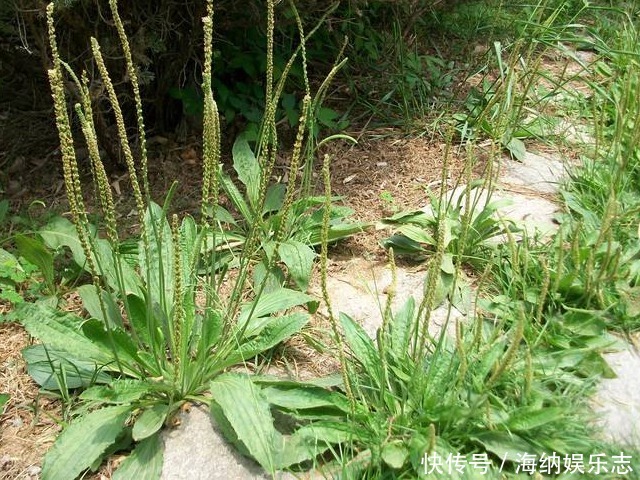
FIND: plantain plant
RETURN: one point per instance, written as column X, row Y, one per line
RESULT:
column 471, row 223
column 160, row 332
column 287, row 232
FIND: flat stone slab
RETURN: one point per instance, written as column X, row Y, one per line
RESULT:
column 535, row 173
column 533, row 214
column 617, row 402
column 361, row 289
column 196, row 450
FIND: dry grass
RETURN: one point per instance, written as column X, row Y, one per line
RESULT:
column 28, row 426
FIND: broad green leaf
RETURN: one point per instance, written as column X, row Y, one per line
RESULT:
column 83, row 442
column 115, row 340
column 244, row 407
column 327, row 116
column 34, row 251
column 236, row 197
column 402, row 245
column 417, row 234
column 190, row 246
column 207, row 329
column 144, row 463
column 395, row 454
column 301, row 397
column 8, row 292
column 138, row 317
column 248, row 169
column 268, row 304
column 443, row 287
column 117, row 271
column 529, row 418
column 123, row 390
column 311, row 440
column 274, row 198
column 594, row 364
column 328, row 381
column 223, row 216
column 516, row 148
column 150, row 421
column 49, row 301
column 46, row 366
column 336, row 232
column 417, row 217
column 4, row 398
column 504, row 444
column 298, row 258
column 490, row 359
column 450, row 226
column 484, row 219
column 447, row 265
column 60, row 232
column 462, row 296
column 91, row 303
column 62, row 331
column 274, row 279
column 401, row 327
column 277, row 330
column 10, row 268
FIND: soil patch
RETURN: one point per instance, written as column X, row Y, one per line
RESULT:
column 28, row 425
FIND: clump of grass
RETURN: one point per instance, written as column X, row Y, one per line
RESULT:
column 602, row 193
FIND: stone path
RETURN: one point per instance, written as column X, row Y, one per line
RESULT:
column 196, row 450
column 617, row 403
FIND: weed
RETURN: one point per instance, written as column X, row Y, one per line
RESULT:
column 150, row 344
column 13, row 273
column 602, row 194
column 485, row 390
column 287, row 229
column 470, row 223
column 515, row 378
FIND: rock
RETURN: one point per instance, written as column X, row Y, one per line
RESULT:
column 530, row 212
column 535, row 173
column 196, row 450
column 616, row 403
column 361, row 291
